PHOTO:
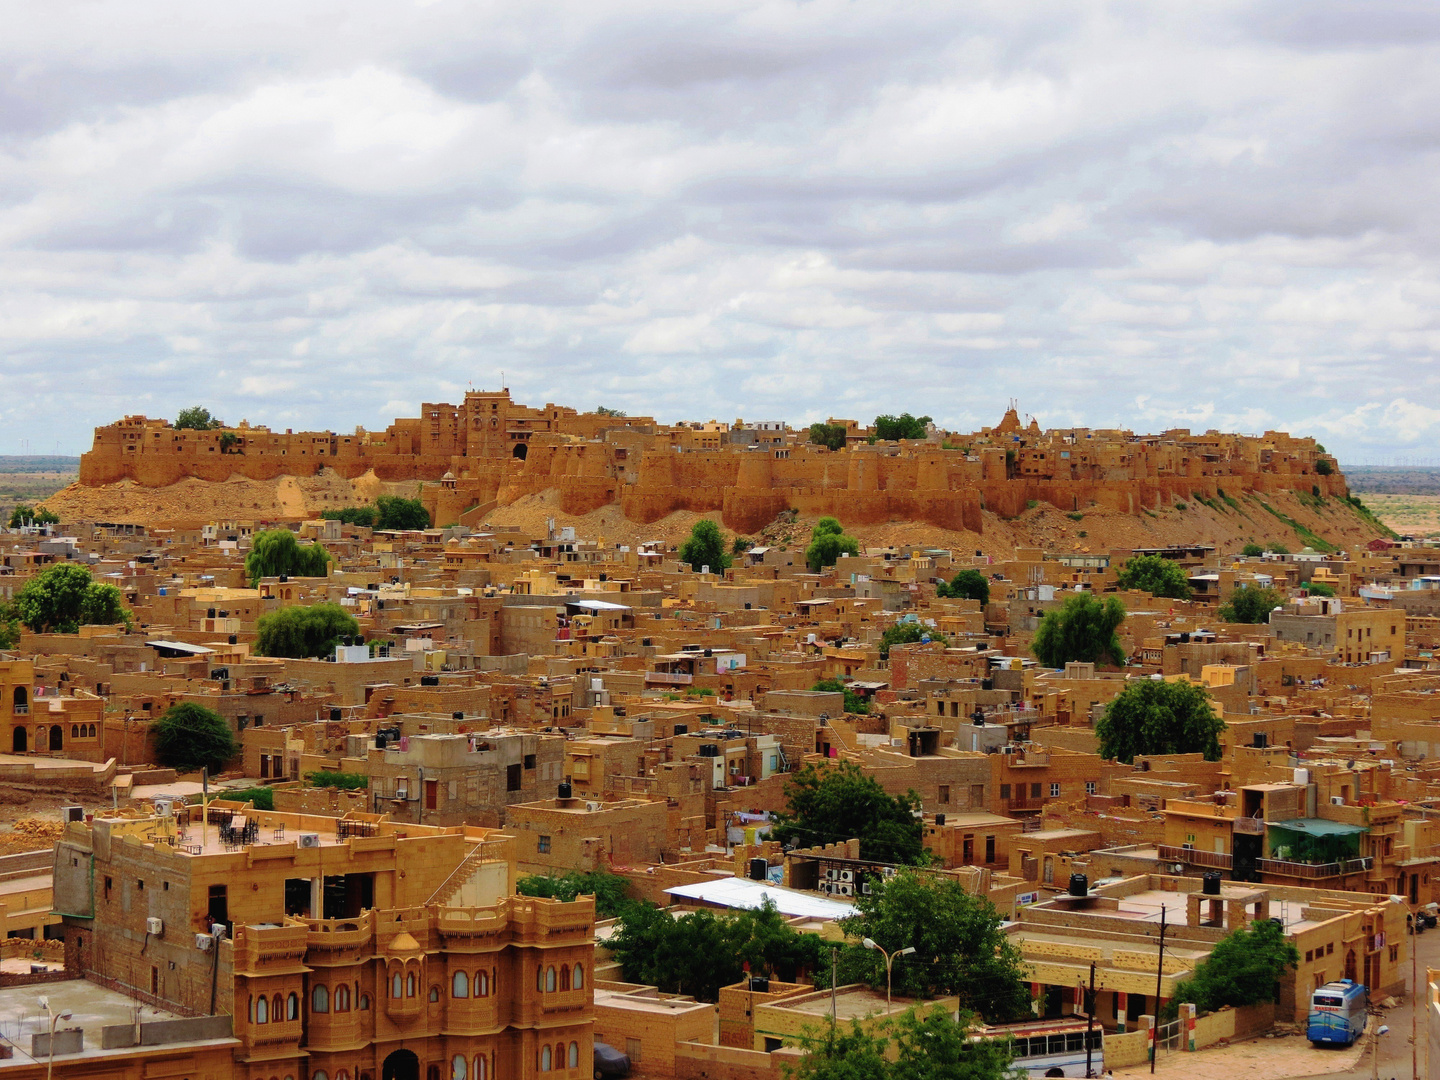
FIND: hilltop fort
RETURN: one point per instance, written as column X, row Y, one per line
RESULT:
column 490, row 451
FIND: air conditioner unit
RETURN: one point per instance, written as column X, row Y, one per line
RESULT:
column 72, row 813
column 1177, row 868
column 309, row 839
column 204, row 942
column 154, row 926
column 847, row 890
column 401, row 791
column 865, row 889
column 825, row 887
column 1187, row 847
column 162, row 808
column 593, row 806
column 847, row 875
column 889, row 871
column 833, row 875
column 1337, row 800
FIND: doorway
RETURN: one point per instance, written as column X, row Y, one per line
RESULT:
column 401, row 1065
column 18, row 742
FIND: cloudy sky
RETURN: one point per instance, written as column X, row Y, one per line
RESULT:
column 322, row 214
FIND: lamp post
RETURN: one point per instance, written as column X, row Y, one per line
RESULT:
column 1383, row 1029
column 869, row 943
column 54, row 1019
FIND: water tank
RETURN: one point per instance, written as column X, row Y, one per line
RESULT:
column 1079, row 885
column 336, row 716
column 457, row 716
column 1210, row 883
column 682, row 729
column 565, row 791
column 939, row 819
column 987, row 684
column 760, row 984
column 759, row 869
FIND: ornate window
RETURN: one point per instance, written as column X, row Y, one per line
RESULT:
column 262, row 1010
column 320, row 1000
column 545, row 1058
column 578, row 979
column 574, row 1061
column 460, row 985
column 342, row 999
column 550, row 980
column 292, row 1010
column 457, row 1067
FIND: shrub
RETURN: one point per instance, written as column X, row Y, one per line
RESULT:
column 345, row 781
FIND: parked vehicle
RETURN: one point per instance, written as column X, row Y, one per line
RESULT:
column 610, row 1062
column 1337, row 1013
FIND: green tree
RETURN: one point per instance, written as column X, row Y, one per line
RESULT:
column 1155, row 717
column 1252, row 551
column 960, row 946
column 228, row 441
column 841, row 1052
column 829, row 805
column 334, row 778
column 937, row 1046
column 828, row 542
column 62, row 598
column 609, row 890
column 24, row 514
column 9, row 626
column 393, row 512
column 705, row 547
column 1319, row 588
column 1245, row 968
column 603, row 411
column 276, row 552
column 190, row 737
column 830, row 436
column 198, row 419
column 364, row 516
column 893, row 428
column 966, row 585
column 854, row 703
column 1250, row 604
column 1082, row 629
column 1324, row 467
column 262, row 798
column 300, row 632
column 1278, row 549
column 1156, row 575
column 906, row 633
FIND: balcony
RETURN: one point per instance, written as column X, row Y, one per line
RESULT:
column 1249, row 826
column 1313, row 871
column 1213, row 859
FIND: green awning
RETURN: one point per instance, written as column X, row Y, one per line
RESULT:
column 1318, row 827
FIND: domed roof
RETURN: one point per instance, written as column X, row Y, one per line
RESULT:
column 402, row 944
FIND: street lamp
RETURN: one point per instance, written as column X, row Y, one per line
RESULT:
column 1383, row 1029
column 54, row 1019
column 869, row 943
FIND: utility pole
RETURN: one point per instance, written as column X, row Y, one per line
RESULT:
column 834, row 1008
column 1090, row 1022
column 1415, row 1000
column 1159, row 973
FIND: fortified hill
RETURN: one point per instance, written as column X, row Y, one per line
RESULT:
column 490, row 451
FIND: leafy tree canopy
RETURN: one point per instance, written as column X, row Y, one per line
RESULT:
column 603, row 411
column 393, row 512
column 1156, row 575
column 609, row 890
column 1319, row 588
column 301, row 632
column 828, row 542
column 1252, row 551
column 1324, row 467
column 1154, row 717
column 832, row 804
column 854, row 703
column 959, row 945
column 262, row 798
column 906, row 633
column 1250, row 604
column 705, row 547
column 64, row 597
column 830, row 436
column 705, row 950
column 25, row 514
column 344, row 781
column 190, row 737
column 929, row 1046
column 1244, row 968
column 966, row 585
column 198, row 419
column 9, row 626
column 893, row 428
column 1082, row 629
column 276, row 552
column 363, row 516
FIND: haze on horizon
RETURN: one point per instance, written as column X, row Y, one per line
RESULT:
column 319, row 215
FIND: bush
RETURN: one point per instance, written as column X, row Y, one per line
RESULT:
column 190, row 737
column 1323, row 467
column 262, row 798
column 1076, row 517
column 1180, row 506
column 345, row 781
column 301, row 632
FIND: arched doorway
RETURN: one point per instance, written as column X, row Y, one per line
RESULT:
column 57, row 738
column 18, row 741
column 521, row 449
column 401, row 1065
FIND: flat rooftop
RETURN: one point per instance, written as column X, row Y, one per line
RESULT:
column 92, row 1007
column 850, row 1003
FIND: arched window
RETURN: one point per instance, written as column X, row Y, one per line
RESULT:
column 363, row 1001
column 250, row 1009
column 410, row 985
column 482, row 984
column 397, row 986
column 482, row 1068
column 262, row 1010
column 559, row 1055
column 578, row 980
column 574, row 1061
column 320, row 1000
column 460, row 985
column 457, row 1067
column 550, row 980
column 545, row 1058
column 277, row 1012
column 434, row 993
column 74, row 731
column 564, row 977
column 22, row 700
column 342, row 999
column 292, row 1010
column 540, row 979
column 342, row 1075
column 318, row 1075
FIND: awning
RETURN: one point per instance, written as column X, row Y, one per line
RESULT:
column 1318, row 827
column 179, row 648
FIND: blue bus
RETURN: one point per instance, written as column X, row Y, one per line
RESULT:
column 1337, row 1013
